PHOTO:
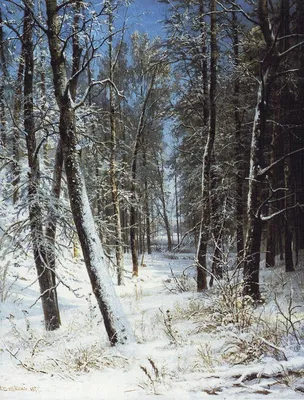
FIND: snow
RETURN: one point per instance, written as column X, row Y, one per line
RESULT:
column 76, row 362
column 98, row 265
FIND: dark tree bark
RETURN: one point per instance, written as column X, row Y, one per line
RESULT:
column 16, row 120
column 117, row 327
column 160, row 170
column 137, row 144
column 45, row 279
column 4, row 75
column 51, row 228
column 204, row 62
column 146, row 204
column 176, row 209
column 268, row 74
column 217, row 228
column 238, row 147
column 298, row 166
column 205, row 221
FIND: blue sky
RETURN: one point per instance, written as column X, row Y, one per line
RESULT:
column 145, row 16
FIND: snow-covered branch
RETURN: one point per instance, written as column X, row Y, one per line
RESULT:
column 263, row 171
column 90, row 87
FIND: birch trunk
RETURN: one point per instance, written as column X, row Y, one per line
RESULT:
column 254, row 223
column 113, row 172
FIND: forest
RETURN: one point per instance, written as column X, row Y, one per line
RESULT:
column 124, row 149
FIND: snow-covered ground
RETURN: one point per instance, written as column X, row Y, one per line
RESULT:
column 189, row 345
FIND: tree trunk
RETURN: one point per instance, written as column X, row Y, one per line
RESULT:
column 164, row 207
column 238, row 148
column 16, row 137
column 205, row 221
column 289, row 266
column 204, row 63
column 116, row 325
column 133, row 228
column 47, row 288
column 2, row 83
column 285, row 98
column 114, row 186
column 217, row 228
column 138, row 138
column 270, row 251
column 254, row 224
column 271, row 224
column 176, row 208
column 268, row 69
column 50, row 231
column 299, row 102
column 146, row 205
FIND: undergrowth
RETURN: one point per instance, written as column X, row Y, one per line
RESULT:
column 249, row 331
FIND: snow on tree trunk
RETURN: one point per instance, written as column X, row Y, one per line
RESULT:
column 207, row 161
column 116, row 324
column 44, row 272
column 3, row 65
column 254, row 224
column 113, row 162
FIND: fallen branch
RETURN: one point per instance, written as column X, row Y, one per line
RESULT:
column 24, row 365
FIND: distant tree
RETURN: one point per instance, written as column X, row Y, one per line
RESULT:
column 113, row 155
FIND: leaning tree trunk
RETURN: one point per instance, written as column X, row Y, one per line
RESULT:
column 47, row 288
column 116, row 325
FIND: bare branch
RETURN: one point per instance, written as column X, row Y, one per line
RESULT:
column 275, row 214
column 236, row 8
column 265, row 170
column 295, row 46
column 90, row 87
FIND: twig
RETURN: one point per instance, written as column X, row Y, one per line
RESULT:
column 27, row 367
column 274, row 347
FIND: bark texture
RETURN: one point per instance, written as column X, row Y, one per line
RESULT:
column 207, row 160
column 116, row 325
column 44, row 272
